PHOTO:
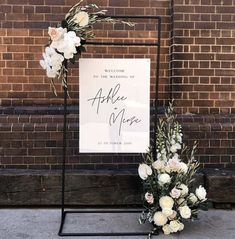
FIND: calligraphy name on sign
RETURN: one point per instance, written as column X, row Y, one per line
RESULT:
column 119, row 116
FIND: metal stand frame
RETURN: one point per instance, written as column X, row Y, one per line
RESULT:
column 65, row 212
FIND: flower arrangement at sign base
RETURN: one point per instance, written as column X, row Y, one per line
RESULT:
column 68, row 38
column 168, row 198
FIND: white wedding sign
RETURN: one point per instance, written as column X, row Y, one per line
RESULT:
column 114, row 98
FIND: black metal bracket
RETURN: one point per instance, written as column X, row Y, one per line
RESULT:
column 65, row 212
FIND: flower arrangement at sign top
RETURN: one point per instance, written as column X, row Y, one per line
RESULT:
column 168, row 198
column 68, row 38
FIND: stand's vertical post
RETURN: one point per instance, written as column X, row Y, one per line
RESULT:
column 64, row 148
column 157, row 89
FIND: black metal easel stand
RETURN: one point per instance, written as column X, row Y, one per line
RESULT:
column 65, row 212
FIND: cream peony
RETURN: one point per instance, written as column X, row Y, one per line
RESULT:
column 164, row 178
column 144, row 171
column 166, row 229
column 175, row 193
column 167, row 169
column 149, row 198
column 81, row 18
column 185, row 212
column 158, row 165
column 159, row 219
column 183, row 167
column 174, row 226
column 167, row 211
column 184, row 189
column 201, row 193
column 192, row 198
column 166, row 202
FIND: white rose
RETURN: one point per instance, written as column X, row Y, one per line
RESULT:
column 167, row 211
column 174, row 226
column 144, row 171
column 175, row 193
column 166, row 202
column 192, row 198
column 164, row 178
column 181, row 226
column 183, row 167
column 201, row 193
column 185, row 212
column 159, row 219
column 158, row 165
column 81, row 18
column 166, row 229
column 184, row 189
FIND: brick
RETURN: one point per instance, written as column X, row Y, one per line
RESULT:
column 204, row 9
column 41, row 2
column 139, row 3
column 115, row 3
column 205, row 25
column 225, row 25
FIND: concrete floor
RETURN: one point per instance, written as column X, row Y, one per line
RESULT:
column 44, row 224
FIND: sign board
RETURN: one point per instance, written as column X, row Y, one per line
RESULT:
column 114, row 99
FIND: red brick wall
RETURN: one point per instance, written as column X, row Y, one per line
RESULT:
column 202, row 75
column 31, row 116
column 31, row 123
column 203, row 56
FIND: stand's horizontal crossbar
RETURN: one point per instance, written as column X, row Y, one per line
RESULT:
column 133, row 17
column 84, row 234
column 122, row 43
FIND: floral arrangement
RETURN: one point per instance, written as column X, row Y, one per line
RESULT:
column 168, row 198
column 68, row 38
